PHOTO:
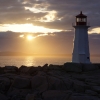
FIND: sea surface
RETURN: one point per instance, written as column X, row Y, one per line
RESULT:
column 37, row 61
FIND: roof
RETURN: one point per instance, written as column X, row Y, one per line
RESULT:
column 81, row 15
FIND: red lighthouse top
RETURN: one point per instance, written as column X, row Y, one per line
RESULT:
column 81, row 19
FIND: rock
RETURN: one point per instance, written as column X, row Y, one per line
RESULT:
column 30, row 97
column 68, row 83
column 96, row 88
column 56, row 95
column 72, row 67
column 3, row 97
column 1, row 70
column 80, row 77
column 79, row 86
column 79, row 94
column 4, row 84
column 21, row 83
column 39, row 83
column 97, row 64
column 54, row 67
column 10, row 69
column 41, row 73
column 84, row 98
column 45, row 67
column 34, row 70
column 12, row 92
column 90, row 92
column 56, row 83
column 24, row 70
column 89, row 67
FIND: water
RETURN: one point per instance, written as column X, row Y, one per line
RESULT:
column 37, row 61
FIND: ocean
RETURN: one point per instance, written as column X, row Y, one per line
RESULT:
column 37, row 61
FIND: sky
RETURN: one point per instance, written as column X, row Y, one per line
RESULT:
column 45, row 26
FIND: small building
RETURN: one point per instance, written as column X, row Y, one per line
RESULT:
column 81, row 43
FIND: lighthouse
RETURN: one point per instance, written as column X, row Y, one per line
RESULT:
column 81, row 43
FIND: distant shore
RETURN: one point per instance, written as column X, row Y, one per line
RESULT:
column 40, row 55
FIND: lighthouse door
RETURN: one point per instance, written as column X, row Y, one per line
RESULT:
column 82, row 58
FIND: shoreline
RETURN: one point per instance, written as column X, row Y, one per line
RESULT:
column 50, row 82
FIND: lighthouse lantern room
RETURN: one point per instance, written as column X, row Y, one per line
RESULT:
column 81, row 44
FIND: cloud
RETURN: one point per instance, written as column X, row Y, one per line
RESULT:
column 39, row 10
column 95, row 30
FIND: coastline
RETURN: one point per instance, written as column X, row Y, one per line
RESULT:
column 50, row 82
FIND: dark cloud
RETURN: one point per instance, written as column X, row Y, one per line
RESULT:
column 13, row 11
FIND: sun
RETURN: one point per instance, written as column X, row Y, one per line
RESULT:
column 29, row 37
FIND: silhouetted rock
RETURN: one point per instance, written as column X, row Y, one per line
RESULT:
column 56, row 83
column 39, row 83
column 96, row 88
column 21, row 83
column 83, row 98
column 73, row 67
column 24, row 70
column 68, row 83
column 90, row 92
column 54, row 67
column 56, row 95
column 1, row 70
column 3, row 97
column 4, row 84
column 34, row 70
column 10, row 69
column 30, row 97
column 71, row 81
column 89, row 67
column 79, row 86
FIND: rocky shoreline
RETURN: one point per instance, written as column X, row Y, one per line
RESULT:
column 70, row 81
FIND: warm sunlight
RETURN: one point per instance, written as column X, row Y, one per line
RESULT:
column 26, row 28
column 95, row 30
column 29, row 37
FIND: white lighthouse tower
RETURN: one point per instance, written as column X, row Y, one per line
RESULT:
column 81, row 44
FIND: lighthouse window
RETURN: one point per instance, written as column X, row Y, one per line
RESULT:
column 78, row 19
column 84, row 19
column 81, row 19
column 88, row 58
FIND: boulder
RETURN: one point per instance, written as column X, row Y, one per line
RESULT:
column 68, row 83
column 56, row 83
column 72, row 67
column 90, row 92
column 12, row 92
column 54, row 67
column 96, row 88
column 34, row 70
column 41, row 73
column 3, row 97
column 56, row 95
column 10, row 69
column 24, row 70
column 84, row 98
column 4, row 84
column 45, row 67
column 89, row 67
column 30, row 97
column 1, row 70
column 21, row 83
column 79, row 86
column 39, row 83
